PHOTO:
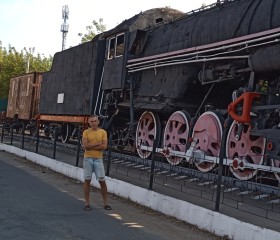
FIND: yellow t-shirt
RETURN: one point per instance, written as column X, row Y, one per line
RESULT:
column 94, row 136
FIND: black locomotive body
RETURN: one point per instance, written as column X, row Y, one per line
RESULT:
column 175, row 78
column 182, row 55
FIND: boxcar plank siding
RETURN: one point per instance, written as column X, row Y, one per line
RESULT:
column 24, row 94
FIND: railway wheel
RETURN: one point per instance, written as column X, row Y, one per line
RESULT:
column 7, row 128
column 208, row 133
column 247, row 149
column 47, row 130
column 19, row 129
column 65, row 132
column 33, row 131
column 176, row 134
column 52, row 135
column 148, row 129
column 52, row 132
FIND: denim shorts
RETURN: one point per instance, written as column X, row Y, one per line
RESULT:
column 94, row 165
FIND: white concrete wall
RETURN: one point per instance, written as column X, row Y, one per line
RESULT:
column 203, row 218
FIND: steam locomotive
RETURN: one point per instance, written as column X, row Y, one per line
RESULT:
column 174, row 81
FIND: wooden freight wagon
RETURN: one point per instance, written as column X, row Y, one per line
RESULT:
column 24, row 96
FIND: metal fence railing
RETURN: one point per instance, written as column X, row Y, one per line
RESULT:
column 216, row 189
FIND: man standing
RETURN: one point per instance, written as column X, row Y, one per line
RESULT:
column 94, row 142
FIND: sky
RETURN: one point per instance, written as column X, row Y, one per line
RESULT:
column 36, row 24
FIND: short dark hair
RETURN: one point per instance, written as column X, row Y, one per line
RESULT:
column 94, row 116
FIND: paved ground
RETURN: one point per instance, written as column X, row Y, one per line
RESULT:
column 36, row 203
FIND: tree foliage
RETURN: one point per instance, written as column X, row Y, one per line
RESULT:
column 93, row 30
column 14, row 63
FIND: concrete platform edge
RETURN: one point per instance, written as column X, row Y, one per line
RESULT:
column 211, row 221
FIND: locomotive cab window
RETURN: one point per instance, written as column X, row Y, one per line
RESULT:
column 111, row 48
column 120, row 45
column 116, row 46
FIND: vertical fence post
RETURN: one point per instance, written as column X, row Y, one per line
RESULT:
column 152, row 165
column 227, row 125
column 37, row 138
column 54, row 144
column 23, row 136
column 12, row 134
column 79, row 147
column 109, row 154
column 3, row 128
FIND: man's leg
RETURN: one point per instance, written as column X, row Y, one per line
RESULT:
column 100, row 175
column 87, row 191
column 104, row 192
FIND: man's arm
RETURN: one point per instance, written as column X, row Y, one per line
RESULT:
column 103, row 145
column 90, row 146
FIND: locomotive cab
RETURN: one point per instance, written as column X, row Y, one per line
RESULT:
column 114, row 63
column 124, row 42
